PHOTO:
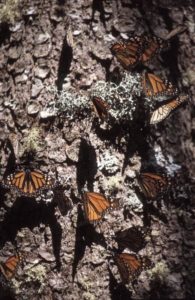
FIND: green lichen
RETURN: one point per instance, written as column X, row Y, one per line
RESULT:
column 37, row 274
column 9, row 11
column 88, row 296
column 159, row 272
column 114, row 183
column 122, row 99
column 16, row 286
column 69, row 103
column 108, row 162
column 32, row 141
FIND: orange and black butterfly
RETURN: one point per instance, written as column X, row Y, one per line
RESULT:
column 128, row 53
column 130, row 266
column 95, row 205
column 28, row 182
column 152, row 46
column 154, row 86
column 9, row 267
column 101, row 107
column 132, row 238
column 152, row 184
column 164, row 110
column 137, row 50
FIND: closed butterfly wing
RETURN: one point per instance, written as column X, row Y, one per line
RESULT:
column 101, row 107
column 29, row 182
column 153, row 86
column 128, row 53
column 164, row 111
column 95, row 205
column 130, row 266
column 9, row 268
column 131, row 238
column 152, row 46
column 152, row 184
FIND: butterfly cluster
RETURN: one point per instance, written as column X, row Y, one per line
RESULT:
column 132, row 54
column 30, row 182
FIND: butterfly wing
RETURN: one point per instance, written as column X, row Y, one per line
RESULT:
column 95, row 205
column 28, row 182
column 130, row 266
column 164, row 111
column 153, row 86
column 132, row 238
column 153, row 184
column 152, row 46
column 100, row 107
column 128, row 53
column 9, row 268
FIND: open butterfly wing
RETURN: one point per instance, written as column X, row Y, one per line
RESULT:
column 132, row 238
column 152, row 184
column 152, row 46
column 9, row 268
column 130, row 266
column 95, row 205
column 164, row 111
column 153, row 86
column 123, row 269
column 128, row 53
column 29, row 182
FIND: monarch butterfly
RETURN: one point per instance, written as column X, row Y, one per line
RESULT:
column 132, row 238
column 164, row 111
column 100, row 107
column 9, row 267
column 95, row 205
column 130, row 265
column 138, row 49
column 153, row 184
column 153, row 86
column 152, row 46
column 29, row 182
column 128, row 53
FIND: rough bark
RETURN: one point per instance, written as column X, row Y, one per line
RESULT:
column 70, row 259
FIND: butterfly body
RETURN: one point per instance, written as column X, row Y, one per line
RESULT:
column 95, row 205
column 28, row 182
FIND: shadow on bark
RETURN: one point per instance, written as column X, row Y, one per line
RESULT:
column 26, row 212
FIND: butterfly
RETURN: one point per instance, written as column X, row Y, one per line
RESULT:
column 130, row 265
column 132, row 238
column 164, row 110
column 95, row 205
column 128, row 53
column 100, row 107
column 152, row 46
column 154, row 86
column 137, row 50
column 153, row 184
column 9, row 267
column 29, row 182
